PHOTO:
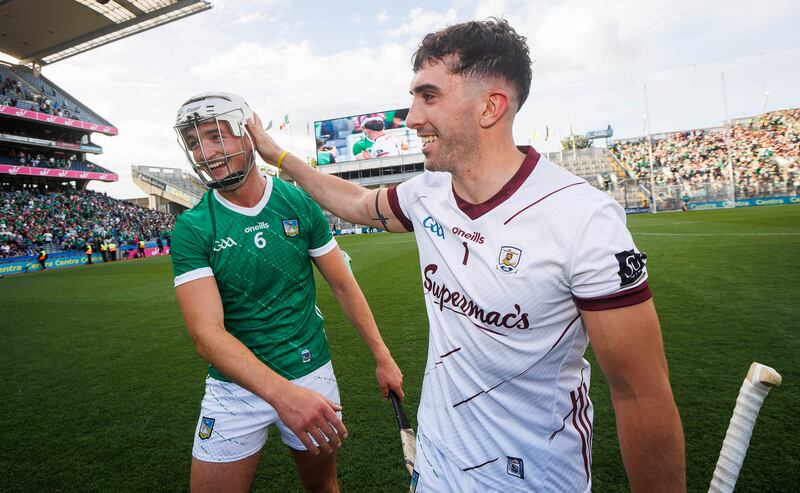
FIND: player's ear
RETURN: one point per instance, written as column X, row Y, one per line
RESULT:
column 495, row 106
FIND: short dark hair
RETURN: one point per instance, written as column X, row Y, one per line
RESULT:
column 483, row 48
column 373, row 123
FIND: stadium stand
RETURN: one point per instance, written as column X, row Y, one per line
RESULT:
column 168, row 189
column 53, row 160
column 45, row 133
column 20, row 86
column 66, row 219
column 764, row 151
column 688, row 165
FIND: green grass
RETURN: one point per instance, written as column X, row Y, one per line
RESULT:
column 101, row 385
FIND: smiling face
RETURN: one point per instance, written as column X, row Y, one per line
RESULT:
column 445, row 112
column 215, row 150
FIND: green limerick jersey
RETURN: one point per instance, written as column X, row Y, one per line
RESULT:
column 260, row 258
column 362, row 145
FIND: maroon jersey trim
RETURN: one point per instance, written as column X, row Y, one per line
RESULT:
column 394, row 204
column 619, row 299
column 540, row 199
column 474, row 211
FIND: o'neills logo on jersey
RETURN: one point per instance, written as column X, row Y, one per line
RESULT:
column 474, row 236
column 457, row 302
column 257, row 227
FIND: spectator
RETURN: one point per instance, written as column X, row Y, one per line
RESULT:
column 42, row 258
column 66, row 216
column 765, row 155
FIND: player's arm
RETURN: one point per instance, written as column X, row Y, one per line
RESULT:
column 628, row 347
column 347, row 291
column 302, row 410
column 344, row 199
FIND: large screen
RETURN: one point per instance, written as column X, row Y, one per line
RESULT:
column 368, row 136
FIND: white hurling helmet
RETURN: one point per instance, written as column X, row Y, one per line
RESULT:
column 216, row 107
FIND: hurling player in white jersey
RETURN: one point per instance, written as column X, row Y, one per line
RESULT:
column 523, row 265
column 386, row 145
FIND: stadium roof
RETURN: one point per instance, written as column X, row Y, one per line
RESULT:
column 46, row 31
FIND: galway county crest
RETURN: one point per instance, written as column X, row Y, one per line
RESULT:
column 509, row 259
column 291, row 227
column 206, row 427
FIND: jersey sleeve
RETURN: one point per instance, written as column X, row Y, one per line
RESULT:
column 399, row 200
column 320, row 239
column 606, row 269
column 189, row 253
column 359, row 147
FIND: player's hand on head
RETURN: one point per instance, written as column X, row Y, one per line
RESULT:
column 309, row 414
column 265, row 145
column 389, row 377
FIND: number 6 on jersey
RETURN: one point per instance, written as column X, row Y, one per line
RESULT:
column 259, row 240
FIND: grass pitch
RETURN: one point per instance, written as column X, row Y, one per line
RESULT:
column 101, row 385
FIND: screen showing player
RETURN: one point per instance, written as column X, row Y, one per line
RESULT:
column 367, row 136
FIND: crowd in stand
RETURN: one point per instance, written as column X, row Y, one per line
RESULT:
column 765, row 153
column 69, row 219
column 44, row 159
column 12, row 92
column 48, row 134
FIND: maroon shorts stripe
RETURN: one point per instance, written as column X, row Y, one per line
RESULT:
column 620, row 299
column 588, row 421
column 394, row 204
column 575, row 412
column 583, row 420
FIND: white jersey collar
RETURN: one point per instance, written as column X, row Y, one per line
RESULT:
column 247, row 211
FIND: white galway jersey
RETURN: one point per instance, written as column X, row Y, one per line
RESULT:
column 386, row 145
column 505, row 392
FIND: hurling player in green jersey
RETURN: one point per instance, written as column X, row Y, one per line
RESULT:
column 242, row 259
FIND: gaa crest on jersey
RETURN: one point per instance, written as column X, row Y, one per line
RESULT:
column 224, row 243
column 631, row 266
column 206, row 427
column 515, row 467
column 509, row 259
column 291, row 227
column 433, row 226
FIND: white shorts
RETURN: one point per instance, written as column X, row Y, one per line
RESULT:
column 233, row 421
column 435, row 473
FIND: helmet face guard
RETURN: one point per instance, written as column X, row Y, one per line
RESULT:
column 220, row 114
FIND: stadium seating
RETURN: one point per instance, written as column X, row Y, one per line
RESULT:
column 765, row 153
column 186, row 182
column 35, row 92
column 71, row 218
column 43, row 161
